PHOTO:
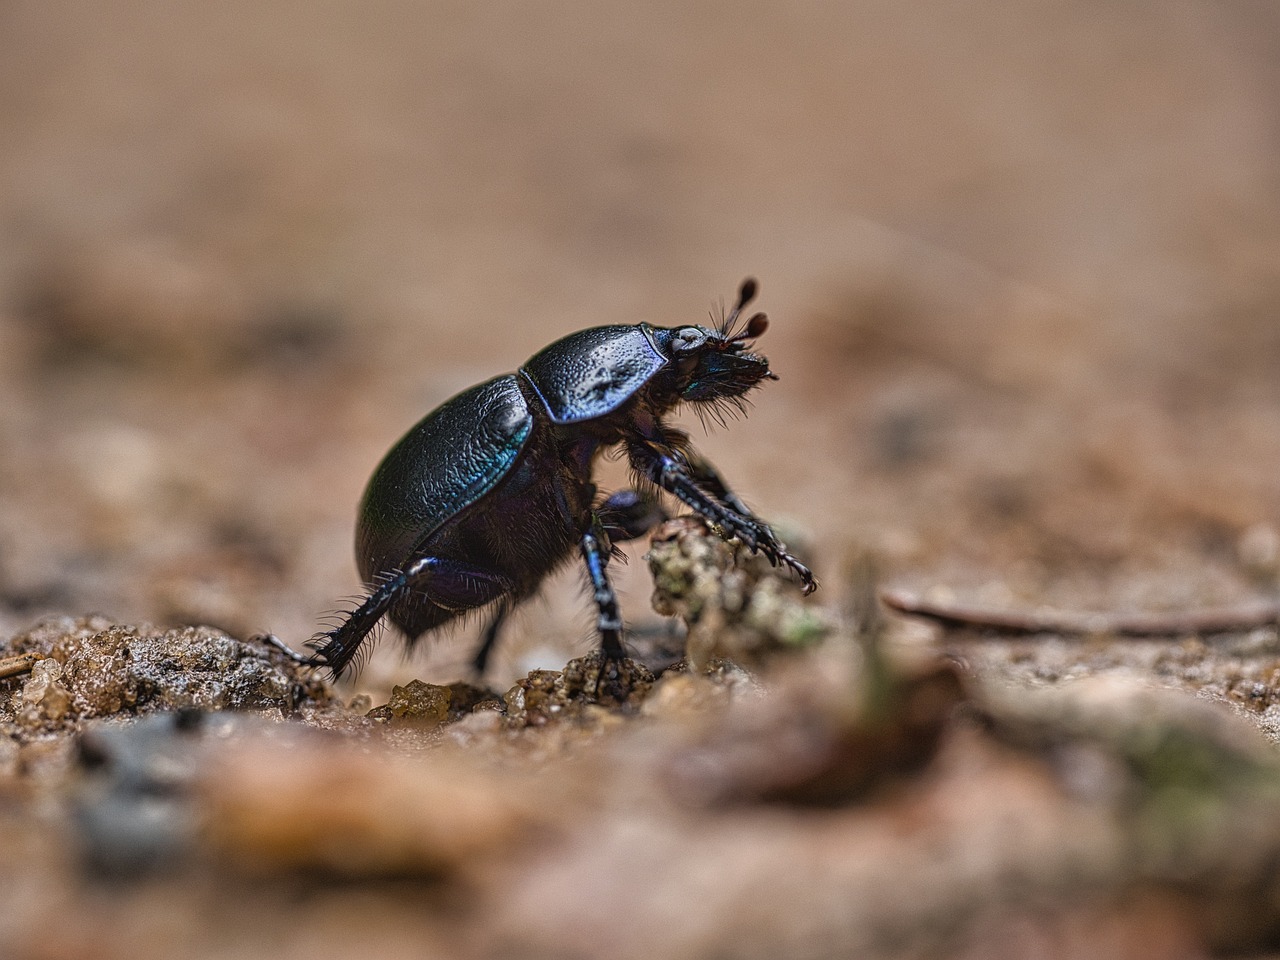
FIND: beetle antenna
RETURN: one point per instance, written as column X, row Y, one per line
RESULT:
column 757, row 325
column 746, row 293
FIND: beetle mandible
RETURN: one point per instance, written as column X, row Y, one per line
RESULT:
column 492, row 491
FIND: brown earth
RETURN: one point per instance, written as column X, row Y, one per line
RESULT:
column 1023, row 271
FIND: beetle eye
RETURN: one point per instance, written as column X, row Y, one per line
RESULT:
column 687, row 339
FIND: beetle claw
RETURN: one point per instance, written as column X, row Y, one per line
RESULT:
column 607, row 665
column 271, row 640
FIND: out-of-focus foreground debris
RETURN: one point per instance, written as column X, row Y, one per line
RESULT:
column 855, row 794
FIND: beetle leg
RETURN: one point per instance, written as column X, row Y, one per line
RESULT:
column 595, row 554
column 628, row 514
column 673, row 473
column 336, row 648
column 481, row 659
column 271, row 640
column 447, row 583
column 460, row 586
column 701, row 469
column 708, row 477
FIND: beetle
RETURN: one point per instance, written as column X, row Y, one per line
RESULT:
column 492, row 491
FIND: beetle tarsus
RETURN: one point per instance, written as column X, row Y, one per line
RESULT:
column 336, row 648
column 677, row 475
column 765, row 540
column 271, row 640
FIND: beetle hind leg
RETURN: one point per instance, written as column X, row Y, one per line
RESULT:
column 450, row 585
column 336, row 648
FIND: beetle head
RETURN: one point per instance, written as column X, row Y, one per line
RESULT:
column 716, row 366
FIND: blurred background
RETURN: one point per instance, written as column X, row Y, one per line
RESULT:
column 1022, row 263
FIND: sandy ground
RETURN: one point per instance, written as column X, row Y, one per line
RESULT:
column 1022, row 267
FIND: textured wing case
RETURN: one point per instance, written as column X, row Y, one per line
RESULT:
column 448, row 461
column 591, row 373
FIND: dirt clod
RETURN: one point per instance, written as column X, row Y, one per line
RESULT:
column 735, row 605
column 90, row 668
column 421, row 704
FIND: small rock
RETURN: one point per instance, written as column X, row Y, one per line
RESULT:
column 533, row 701
column 43, row 697
column 416, row 703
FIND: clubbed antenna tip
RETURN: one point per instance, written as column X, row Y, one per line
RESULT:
column 746, row 293
column 755, row 327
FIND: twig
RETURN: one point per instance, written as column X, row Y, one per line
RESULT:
column 15, row 666
column 1208, row 621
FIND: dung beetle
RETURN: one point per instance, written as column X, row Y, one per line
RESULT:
column 492, row 491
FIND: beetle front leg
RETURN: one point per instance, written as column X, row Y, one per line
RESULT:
column 673, row 473
column 708, row 477
column 595, row 554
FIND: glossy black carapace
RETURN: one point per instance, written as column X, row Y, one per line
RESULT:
column 492, row 491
